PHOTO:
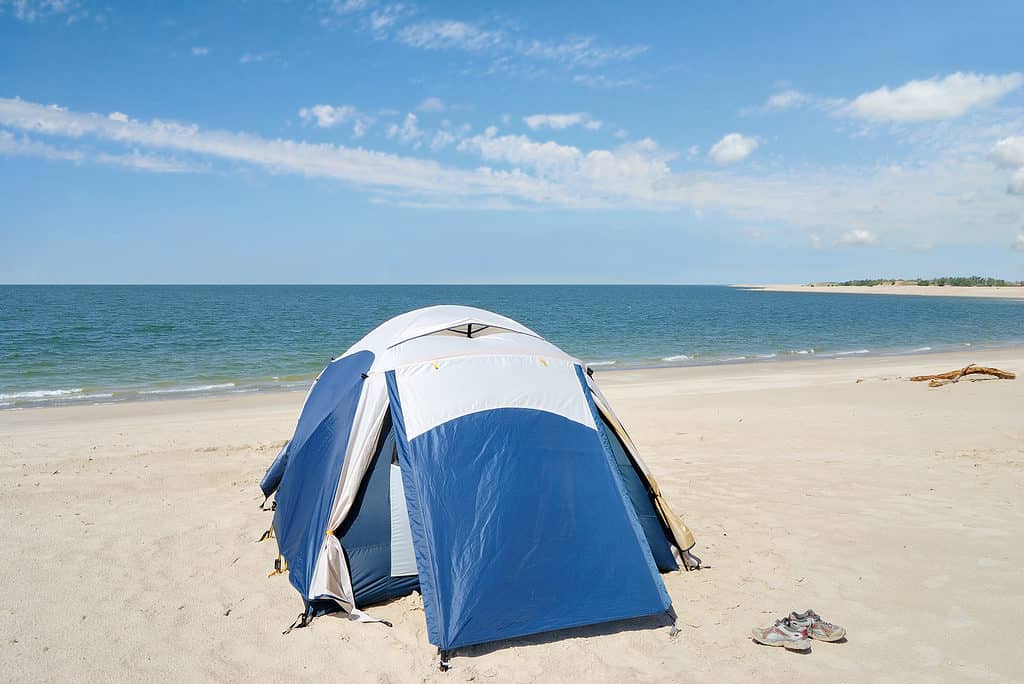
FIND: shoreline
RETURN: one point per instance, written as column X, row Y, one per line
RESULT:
column 843, row 363
column 1011, row 292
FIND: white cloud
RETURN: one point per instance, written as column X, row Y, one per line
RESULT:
column 732, row 148
column 440, row 35
column 431, row 104
column 408, row 132
column 1009, row 153
column 787, row 99
column 899, row 205
column 520, row 150
column 356, row 166
column 328, row 116
column 559, row 121
column 535, row 121
column 117, row 116
column 932, row 99
column 442, row 139
column 1016, row 186
column 1018, row 242
column 200, row 51
column 858, row 237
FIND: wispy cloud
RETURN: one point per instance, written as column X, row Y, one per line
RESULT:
column 445, row 35
column 383, row 18
column 858, row 237
column 732, row 148
column 408, row 132
column 580, row 51
column 348, row 6
column 431, row 105
column 11, row 145
column 356, row 166
column 139, row 161
column 406, row 24
column 604, row 81
column 559, row 121
column 200, row 51
column 896, row 204
column 40, row 10
column 787, row 99
column 932, row 99
column 256, row 57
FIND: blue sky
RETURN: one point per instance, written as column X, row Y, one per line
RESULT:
column 335, row 141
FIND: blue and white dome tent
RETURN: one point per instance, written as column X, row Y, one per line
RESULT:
column 456, row 452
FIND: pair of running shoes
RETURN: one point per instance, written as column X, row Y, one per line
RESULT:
column 795, row 631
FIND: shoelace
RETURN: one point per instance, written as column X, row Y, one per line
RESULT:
column 786, row 626
column 814, row 617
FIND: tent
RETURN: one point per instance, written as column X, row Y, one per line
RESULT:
column 456, row 452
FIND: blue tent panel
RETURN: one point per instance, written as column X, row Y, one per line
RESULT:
column 521, row 525
column 651, row 523
column 315, row 458
column 272, row 479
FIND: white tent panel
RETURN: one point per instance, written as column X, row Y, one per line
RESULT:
column 403, row 559
column 436, row 392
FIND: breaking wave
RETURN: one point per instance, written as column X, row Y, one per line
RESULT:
column 39, row 395
column 195, row 388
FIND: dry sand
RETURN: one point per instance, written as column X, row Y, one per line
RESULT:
column 129, row 537
column 1015, row 292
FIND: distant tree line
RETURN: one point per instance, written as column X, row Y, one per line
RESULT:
column 957, row 281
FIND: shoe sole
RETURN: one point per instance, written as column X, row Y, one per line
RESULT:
column 831, row 639
column 799, row 646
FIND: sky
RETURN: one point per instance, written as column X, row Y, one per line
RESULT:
column 373, row 141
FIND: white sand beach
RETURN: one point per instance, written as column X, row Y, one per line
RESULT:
column 129, row 536
column 1011, row 292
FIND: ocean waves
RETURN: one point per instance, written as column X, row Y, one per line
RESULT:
column 77, row 345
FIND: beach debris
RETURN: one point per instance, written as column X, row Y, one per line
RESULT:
column 940, row 379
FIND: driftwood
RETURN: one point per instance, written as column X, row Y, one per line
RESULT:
column 940, row 379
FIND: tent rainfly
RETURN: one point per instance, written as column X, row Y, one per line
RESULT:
column 455, row 452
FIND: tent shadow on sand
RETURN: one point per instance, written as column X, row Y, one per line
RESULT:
column 640, row 624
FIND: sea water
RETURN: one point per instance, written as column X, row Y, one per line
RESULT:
column 86, row 344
